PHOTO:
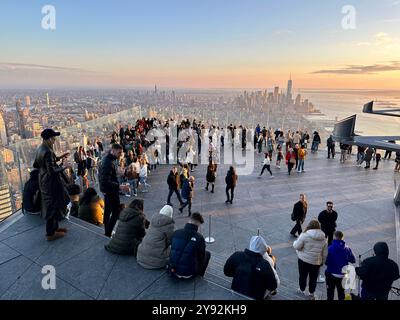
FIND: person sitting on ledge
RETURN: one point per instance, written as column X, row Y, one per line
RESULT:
column 131, row 229
column 253, row 270
column 153, row 252
column 188, row 257
column 91, row 207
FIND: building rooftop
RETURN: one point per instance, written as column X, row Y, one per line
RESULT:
column 85, row 270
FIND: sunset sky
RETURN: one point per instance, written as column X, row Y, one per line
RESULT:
column 200, row 44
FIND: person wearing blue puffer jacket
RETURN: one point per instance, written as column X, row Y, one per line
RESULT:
column 339, row 255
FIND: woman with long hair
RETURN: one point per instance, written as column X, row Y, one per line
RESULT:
column 312, row 250
column 91, row 207
column 231, row 181
column 211, row 176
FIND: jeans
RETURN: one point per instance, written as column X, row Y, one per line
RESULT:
column 133, row 184
column 143, row 181
column 308, row 270
column 300, row 166
column 331, row 151
column 111, row 212
column 232, row 190
column 268, row 168
column 333, row 283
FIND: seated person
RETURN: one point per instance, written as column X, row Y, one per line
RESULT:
column 253, row 275
column 31, row 194
column 153, row 252
column 74, row 191
column 91, row 207
column 188, row 257
column 131, row 229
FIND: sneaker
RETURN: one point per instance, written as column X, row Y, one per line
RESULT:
column 311, row 296
column 301, row 292
column 135, row 194
column 128, row 195
column 321, row 279
column 227, row 201
column 55, row 236
column 272, row 177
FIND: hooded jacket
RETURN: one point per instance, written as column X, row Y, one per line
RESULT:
column 188, row 250
column 130, row 232
column 108, row 180
column 378, row 273
column 338, row 256
column 31, row 194
column 252, row 274
column 153, row 252
column 312, row 247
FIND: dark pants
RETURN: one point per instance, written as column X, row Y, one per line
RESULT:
column 111, row 212
column 365, row 295
column 204, row 264
column 308, row 270
column 290, row 167
column 188, row 203
column 171, row 192
column 333, row 283
column 268, row 167
column 329, row 235
column 297, row 228
column 331, row 151
column 232, row 190
column 51, row 226
column 388, row 155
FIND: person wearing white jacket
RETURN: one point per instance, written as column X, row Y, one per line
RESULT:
column 312, row 250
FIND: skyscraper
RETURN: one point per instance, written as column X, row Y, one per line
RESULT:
column 20, row 119
column 276, row 94
column 3, row 131
column 289, row 90
column 28, row 101
column 155, row 89
column 47, row 99
column 5, row 196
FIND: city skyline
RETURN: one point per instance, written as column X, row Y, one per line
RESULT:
column 208, row 44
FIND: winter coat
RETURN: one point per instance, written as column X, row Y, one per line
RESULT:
column 378, row 272
column 211, row 174
column 312, row 247
column 54, row 196
column 188, row 250
column 338, row 256
column 92, row 212
column 187, row 189
column 299, row 212
column 328, row 221
column 129, row 234
column 153, row 252
column 172, row 181
column 108, row 179
column 31, row 194
column 252, row 274
column 231, row 180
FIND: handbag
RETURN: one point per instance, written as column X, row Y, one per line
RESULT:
column 292, row 160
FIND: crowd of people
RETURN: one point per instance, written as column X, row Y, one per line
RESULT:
column 58, row 188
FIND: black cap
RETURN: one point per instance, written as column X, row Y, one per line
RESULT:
column 48, row 133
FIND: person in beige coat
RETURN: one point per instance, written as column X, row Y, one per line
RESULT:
column 153, row 251
column 312, row 250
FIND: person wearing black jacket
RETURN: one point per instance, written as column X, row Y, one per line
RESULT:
column 252, row 274
column 327, row 219
column 378, row 274
column 110, row 187
column 172, row 181
column 52, row 184
column 230, row 180
column 331, row 147
column 188, row 257
column 299, row 215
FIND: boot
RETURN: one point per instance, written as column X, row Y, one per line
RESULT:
column 207, row 186
column 212, row 190
column 55, row 236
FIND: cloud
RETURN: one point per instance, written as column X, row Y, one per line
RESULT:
column 6, row 66
column 362, row 69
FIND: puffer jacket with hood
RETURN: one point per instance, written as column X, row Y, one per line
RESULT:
column 252, row 274
column 153, row 251
column 311, row 247
column 130, row 232
column 378, row 273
